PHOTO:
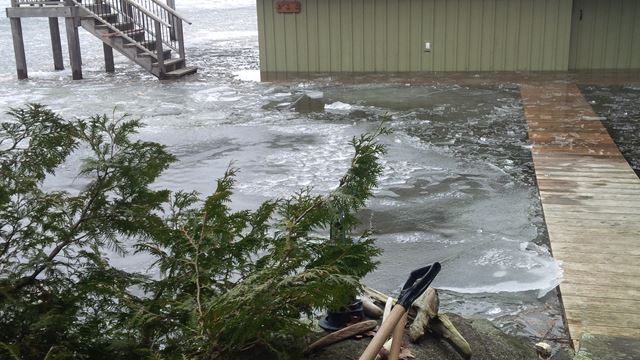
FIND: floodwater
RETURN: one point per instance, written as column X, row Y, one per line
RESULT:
column 458, row 185
column 618, row 107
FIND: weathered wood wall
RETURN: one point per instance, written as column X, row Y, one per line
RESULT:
column 389, row 35
column 605, row 35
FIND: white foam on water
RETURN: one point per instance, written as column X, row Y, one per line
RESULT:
column 247, row 75
column 320, row 161
column 204, row 36
column 414, row 237
column 216, row 4
column 217, row 94
column 61, row 75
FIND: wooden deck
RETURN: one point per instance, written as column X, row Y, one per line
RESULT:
column 591, row 202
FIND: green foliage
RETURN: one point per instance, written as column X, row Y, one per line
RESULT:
column 230, row 280
column 56, row 288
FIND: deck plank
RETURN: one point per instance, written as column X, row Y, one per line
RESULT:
column 591, row 203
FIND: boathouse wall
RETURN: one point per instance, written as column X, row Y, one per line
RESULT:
column 605, row 35
column 463, row 35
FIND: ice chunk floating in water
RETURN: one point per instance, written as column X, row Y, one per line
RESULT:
column 338, row 106
column 515, row 271
column 248, row 75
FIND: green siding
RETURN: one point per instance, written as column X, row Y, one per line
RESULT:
column 404, row 34
column 500, row 35
column 607, row 36
column 262, row 33
column 313, row 45
column 415, row 37
column 465, row 35
column 428, row 28
column 358, row 36
column 380, row 34
column 346, row 32
column 462, row 35
column 324, row 46
column 369, row 43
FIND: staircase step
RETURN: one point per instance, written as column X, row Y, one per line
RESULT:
column 169, row 63
column 146, row 44
column 176, row 74
column 120, row 26
column 135, row 34
column 151, row 45
column 167, row 55
column 110, row 18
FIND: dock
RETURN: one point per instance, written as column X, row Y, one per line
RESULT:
column 591, row 201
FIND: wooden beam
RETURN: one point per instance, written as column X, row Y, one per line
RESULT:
column 18, row 48
column 108, row 58
column 56, row 45
column 43, row 11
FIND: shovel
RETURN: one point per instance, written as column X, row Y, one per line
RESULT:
column 418, row 282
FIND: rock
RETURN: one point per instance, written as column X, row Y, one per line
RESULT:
column 486, row 341
column 543, row 349
column 358, row 114
column 307, row 104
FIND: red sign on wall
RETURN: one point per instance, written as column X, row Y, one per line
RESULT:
column 288, row 7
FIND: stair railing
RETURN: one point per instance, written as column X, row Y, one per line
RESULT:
column 156, row 25
column 100, row 10
column 17, row 3
column 173, row 36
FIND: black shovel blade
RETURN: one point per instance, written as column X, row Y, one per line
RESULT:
column 418, row 282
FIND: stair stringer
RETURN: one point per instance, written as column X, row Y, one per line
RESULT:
column 117, row 43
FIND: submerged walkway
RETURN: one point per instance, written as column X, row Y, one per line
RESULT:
column 591, row 202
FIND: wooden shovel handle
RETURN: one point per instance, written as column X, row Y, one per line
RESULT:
column 383, row 333
column 396, row 342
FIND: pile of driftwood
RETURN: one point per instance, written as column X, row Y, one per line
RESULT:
column 424, row 319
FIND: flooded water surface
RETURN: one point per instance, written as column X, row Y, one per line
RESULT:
column 619, row 108
column 458, row 184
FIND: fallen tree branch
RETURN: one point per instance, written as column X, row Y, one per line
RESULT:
column 371, row 309
column 427, row 307
column 375, row 295
column 342, row 334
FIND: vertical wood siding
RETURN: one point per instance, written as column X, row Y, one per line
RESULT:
column 466, row 35
column 607, row 36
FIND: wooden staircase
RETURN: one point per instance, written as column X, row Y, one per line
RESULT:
column 148, row 32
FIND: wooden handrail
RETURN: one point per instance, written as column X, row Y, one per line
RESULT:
column 172, row 11
column 144, row 11
column 113, row 28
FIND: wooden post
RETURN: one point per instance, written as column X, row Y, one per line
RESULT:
column 56, row 46
column 73, row 40
column 180, row 36
column 159, row 51
column 18, row 48
column 108, row 58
